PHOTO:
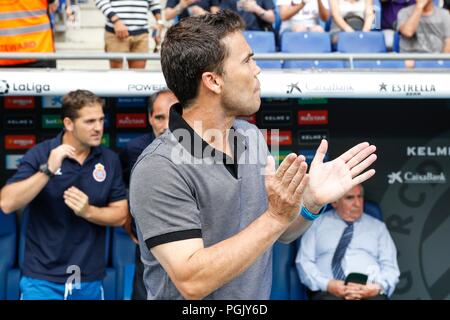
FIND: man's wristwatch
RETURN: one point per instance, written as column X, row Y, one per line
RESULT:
column 44, row 169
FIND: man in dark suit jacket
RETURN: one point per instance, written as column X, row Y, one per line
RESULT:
column 158, row 117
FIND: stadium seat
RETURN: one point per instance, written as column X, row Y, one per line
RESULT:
column 379, row 64
column 12, row 286
column 396, row 45
column 308, row 42
column 123, row 254
column 364, row 42
column 282, row 258
column 432, row 64
column 8, row 248
column 128, row 281
column 263, row 42
column 361, row 42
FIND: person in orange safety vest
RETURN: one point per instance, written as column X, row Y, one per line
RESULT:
column 25, row 27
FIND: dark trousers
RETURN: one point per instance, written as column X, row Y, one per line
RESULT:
column 139, row 291
column 37, row 64
column 321, row 295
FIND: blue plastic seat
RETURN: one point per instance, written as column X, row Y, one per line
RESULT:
column 364, row 42
column 128, row 281
column 8, row 248
column 123, row 254
column 432, row 64
column 361, row 42
column 282, row 257
column 308, row 42
column 379, row 64
column 14, row 274
column 263, row 42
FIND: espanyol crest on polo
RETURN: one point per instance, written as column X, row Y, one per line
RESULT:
column 99, row 173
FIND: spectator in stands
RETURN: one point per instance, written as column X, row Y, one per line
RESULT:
column 206, row 215
column 158, row 117
column 127, row 27
column 70, row 13
column 258, row 15
column 25, row 27
column 389, row 12
column 424, row 28
column 346, row 240
column 186, row 8
column 303, row 15
column 447, row 5
column 72, row 188
column 351, row 15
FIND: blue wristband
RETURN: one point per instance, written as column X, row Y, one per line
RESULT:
column 308, row 215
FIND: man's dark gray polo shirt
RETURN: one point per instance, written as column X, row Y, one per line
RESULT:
column 180, row 192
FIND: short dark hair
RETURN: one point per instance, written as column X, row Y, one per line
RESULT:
column 193, row 46
column 76, row 100
column 152, row 99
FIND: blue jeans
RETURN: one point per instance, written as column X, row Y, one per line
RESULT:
column 37, row 289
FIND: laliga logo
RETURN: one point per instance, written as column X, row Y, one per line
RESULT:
column 4, row 87
column 395, row 177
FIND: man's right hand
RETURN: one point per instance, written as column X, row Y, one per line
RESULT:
column 285, row 187
column 336, row 288
column 120, row 30
column 57, row 156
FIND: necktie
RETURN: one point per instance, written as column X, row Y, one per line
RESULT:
column 336, row 266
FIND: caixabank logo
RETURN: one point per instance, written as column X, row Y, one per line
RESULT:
column 416, row 210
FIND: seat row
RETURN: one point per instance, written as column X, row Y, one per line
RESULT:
column 320, row 42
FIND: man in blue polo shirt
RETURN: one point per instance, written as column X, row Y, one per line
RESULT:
column 72, row 188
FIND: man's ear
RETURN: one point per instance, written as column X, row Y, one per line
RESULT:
column 212, row 81
column 68, row 124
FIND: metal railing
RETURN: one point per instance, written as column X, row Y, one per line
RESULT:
column 350, row 57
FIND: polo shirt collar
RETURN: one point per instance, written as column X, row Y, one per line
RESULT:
column 177, row 122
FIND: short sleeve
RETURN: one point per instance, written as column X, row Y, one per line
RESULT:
column 162, row 202
column 402, row 16
column 28, row 166
column 447, row 24
column 117, row 191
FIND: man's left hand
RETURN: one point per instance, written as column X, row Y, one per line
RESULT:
column 77, row 200
column 355, row 291
column 329, row 181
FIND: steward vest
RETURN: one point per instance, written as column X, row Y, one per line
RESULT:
column 24, row 27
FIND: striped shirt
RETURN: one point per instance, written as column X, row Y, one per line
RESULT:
column 133, row 13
